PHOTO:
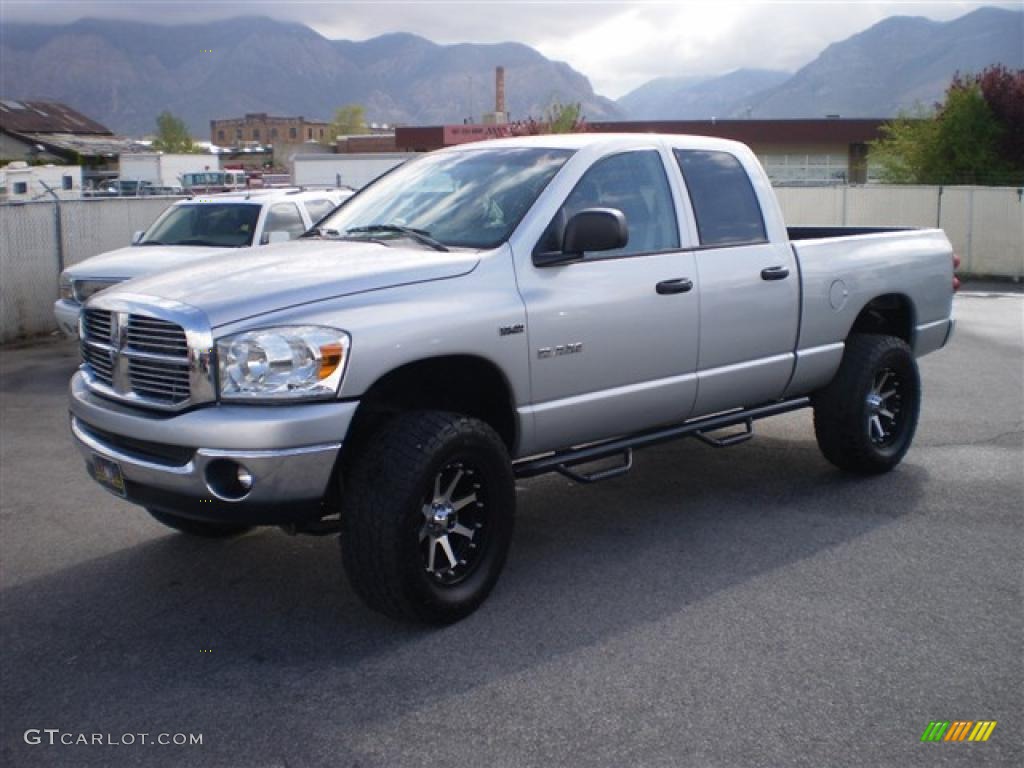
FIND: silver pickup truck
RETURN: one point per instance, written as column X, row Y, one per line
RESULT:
column 491, row 312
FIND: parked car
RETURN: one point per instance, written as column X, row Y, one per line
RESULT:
column 490, row 312
column 120, row 188
column 191, row 230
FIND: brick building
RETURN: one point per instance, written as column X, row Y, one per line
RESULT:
column 261, row 128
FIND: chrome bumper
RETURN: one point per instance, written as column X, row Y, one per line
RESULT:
column 291, row 472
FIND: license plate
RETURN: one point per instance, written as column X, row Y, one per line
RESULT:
column 108, row 474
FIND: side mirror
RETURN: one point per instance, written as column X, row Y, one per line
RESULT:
column 137, row 236
column 592, row 229
column 277, row 236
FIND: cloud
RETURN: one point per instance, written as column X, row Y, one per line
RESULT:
column 618, row 45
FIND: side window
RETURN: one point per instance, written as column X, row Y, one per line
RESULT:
column 284, row 217
column 317, row 209
column 723, row 198
column 634, row 183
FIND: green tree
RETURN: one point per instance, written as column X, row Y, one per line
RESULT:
column 348, row 120
column 963, row 142
column 564, row 118
column 172, row 135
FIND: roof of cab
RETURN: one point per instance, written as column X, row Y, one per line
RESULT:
column 577, row 141
column 265, row 195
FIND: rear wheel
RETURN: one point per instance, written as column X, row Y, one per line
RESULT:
column 207, row 530
column 866, row 417
column 427, row 517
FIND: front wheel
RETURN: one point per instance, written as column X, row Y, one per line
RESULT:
column 427, row 517
column 866, row 417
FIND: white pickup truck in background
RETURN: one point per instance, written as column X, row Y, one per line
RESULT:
column 492, row 312
column 195, row 229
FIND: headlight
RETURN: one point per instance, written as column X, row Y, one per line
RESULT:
column 67, row 289
column 293, row 363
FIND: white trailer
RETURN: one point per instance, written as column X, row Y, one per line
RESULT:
column 21, row 182
column 165, row 170
column 355, row 170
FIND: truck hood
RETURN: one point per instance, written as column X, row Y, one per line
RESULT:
column 254, row 281
column 138, row 260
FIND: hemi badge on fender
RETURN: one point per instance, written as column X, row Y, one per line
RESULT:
column 562, row 349
column 508, row 330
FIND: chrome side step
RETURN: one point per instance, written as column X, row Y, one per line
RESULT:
column 564, row 461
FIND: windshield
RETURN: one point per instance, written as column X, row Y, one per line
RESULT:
column 227, row 225
column 469, row 198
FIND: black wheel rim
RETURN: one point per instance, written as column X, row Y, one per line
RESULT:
column 454, row 528
column 886, row 417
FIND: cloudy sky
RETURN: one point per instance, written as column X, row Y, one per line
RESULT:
column 618, row 44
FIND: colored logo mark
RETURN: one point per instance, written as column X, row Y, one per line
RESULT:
column 958, row 730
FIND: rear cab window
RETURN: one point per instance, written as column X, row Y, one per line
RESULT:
column 284, row 217
column 724, row 202
column 319, row 208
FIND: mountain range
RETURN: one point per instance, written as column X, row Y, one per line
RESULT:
column 124, row 73
column 890, row 67
column 695, row 98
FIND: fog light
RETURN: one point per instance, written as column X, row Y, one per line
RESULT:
column 228, row 480
column 244, row 478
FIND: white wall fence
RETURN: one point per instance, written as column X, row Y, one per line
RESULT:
column 38, row 239
column 985, row 225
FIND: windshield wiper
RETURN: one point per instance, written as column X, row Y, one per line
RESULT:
column 419, row 235
column 326, row 233
column 322, row 232
column 197, row 241
column 151, row 242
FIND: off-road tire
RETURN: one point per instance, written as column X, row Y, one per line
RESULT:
column 844, row 410
column 201, row 528
column 389, row 493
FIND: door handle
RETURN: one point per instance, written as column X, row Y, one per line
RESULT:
column 678, row 285
column 775, row 273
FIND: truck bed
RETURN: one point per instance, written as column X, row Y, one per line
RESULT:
column 821, row 233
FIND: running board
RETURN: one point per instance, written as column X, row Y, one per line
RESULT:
column 564, row 461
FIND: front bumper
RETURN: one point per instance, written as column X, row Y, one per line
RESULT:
column 66, row 312
column 172, row 463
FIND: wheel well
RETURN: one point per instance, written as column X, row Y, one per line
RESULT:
column 891, row 314
column 459, row 383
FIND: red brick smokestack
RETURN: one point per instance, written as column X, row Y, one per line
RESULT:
column 499, row 89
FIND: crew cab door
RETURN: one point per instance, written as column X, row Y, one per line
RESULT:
column 613, row 337
column 749, row 287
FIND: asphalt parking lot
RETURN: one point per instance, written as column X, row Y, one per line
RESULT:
column 740, row 607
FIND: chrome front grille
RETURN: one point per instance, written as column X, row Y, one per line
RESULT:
column 100, row 362
column 160, row 380
column 98, row 324
column 145, row 359
column 159, row 337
